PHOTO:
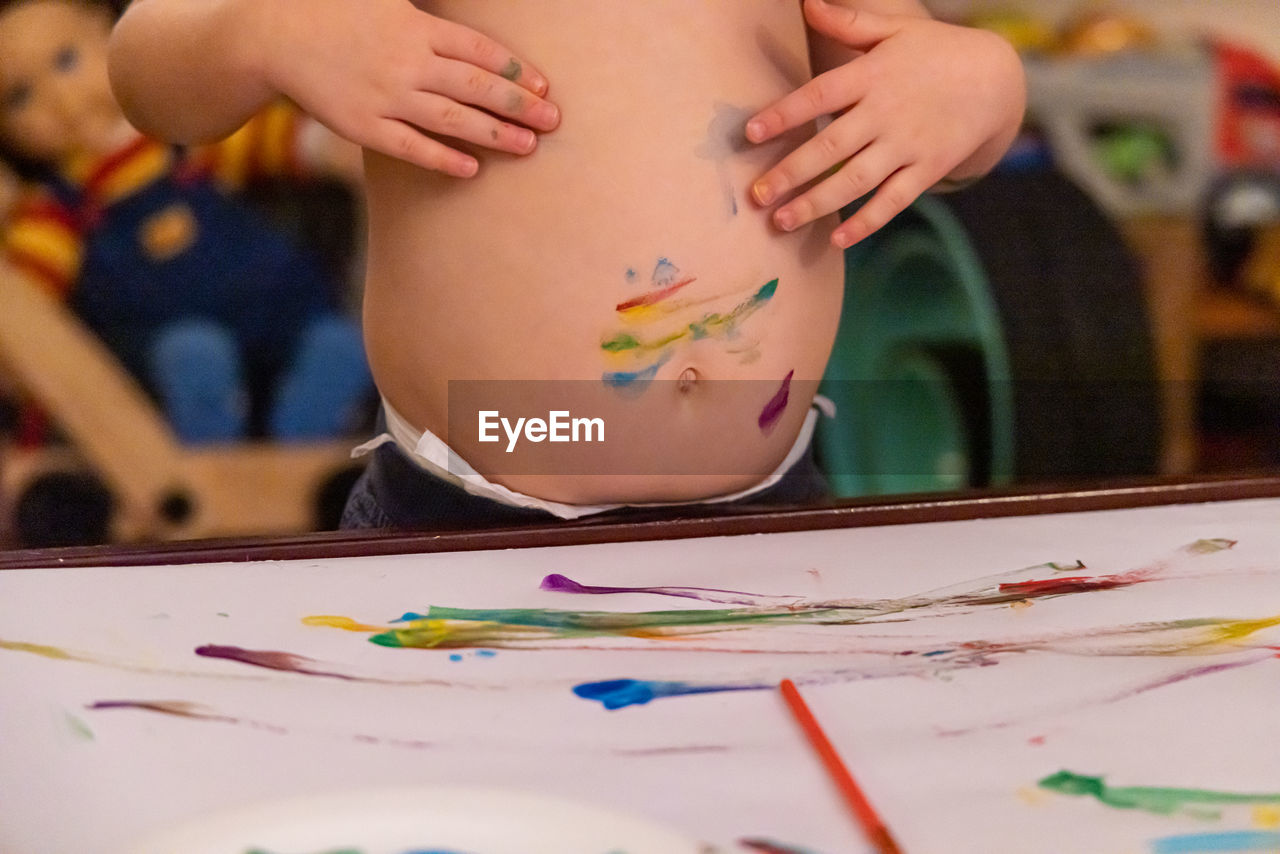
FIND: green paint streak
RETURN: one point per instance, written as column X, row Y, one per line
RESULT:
column 1205, row 547
column 608, row 621
column 1153, row 799
column 443, row 627
column 618, row 343
column 710, row 324
column 79, row 727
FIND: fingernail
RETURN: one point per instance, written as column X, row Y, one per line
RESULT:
column 763, row 193
column 547, row 115
column 785, row 219
column 525, row 140
column 467, row 168
column 755, row 130
column 841, row 239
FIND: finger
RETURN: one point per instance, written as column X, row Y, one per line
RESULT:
column 455, row 41
column 407, row 143
column 836, row 143
column 900, row 190
column 862, row 174
column 441, row 115
column 469, row 84
column 856, row 28
column 827, row 93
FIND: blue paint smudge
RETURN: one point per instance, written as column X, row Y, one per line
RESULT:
column 635, row 379
column 619, row 693
column 1212, row 843
column 455, row 657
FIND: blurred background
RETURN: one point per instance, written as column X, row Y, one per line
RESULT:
column 1105, row 305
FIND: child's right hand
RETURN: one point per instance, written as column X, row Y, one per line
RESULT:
column 392, row 78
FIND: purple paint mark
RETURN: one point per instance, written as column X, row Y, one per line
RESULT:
column 558, row 583
column 776, row 406
column 269, row 659
column 290, row 663
column 192, row 711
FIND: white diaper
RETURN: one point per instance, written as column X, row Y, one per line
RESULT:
column 434, row 456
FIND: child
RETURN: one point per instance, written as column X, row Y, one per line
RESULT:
column 194, row 293
column 634, row 230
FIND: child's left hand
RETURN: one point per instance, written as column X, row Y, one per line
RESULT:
column 924, row 101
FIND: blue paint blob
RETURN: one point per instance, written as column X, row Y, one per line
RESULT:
column 455, row 657
column 1213, row 843
column 619, row 693
column 485, row 653
column 635, row 379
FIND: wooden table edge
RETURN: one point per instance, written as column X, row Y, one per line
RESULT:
column 850, row 513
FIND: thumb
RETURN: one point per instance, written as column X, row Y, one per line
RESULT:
column 856, row 28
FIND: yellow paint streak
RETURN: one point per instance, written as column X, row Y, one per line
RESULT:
column 345, row 623
column 1266, row 817
column 39, row 649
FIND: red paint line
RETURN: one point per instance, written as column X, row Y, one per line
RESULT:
column 655, row 296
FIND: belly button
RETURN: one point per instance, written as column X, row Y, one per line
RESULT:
column 687, row 380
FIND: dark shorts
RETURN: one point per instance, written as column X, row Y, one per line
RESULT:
column 394, row 492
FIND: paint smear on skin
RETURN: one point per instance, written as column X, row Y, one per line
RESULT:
column 1152, row 799
column 713, row 324
column 1223, row 841
column 558, row 583
column 776, row 406
column 654, row 297
column 196, row 712
column 512, row 70
column 726, row 136
column 635, row 380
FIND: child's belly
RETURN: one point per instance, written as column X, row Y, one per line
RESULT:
column 621, row 272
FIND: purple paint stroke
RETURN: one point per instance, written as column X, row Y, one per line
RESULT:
column 776, row 406
column 558, row 583
column 288, row 662
column 193, row 711
column 1120, row 696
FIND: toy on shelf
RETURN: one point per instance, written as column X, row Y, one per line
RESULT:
column 207, row 305
column 1153, row 124
column 195, row 304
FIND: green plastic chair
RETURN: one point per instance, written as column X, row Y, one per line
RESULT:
column 919, row 373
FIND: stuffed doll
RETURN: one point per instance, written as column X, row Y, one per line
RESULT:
column 203, row 301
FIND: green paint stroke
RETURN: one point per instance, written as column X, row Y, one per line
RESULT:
column 709, row 325
column 1153, row 799
column 465, row 627
column 78, row 727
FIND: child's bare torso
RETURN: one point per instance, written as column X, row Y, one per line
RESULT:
column 620, row 257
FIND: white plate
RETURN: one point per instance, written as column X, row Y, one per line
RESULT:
column 421, row 820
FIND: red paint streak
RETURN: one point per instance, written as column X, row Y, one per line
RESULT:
column 655, row 296
column 1075, row 584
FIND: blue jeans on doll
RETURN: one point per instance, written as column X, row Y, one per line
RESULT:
column 197, row 370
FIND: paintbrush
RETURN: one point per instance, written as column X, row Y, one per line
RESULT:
column 865, row 814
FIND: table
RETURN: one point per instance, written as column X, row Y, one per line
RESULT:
column 1086, row 670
